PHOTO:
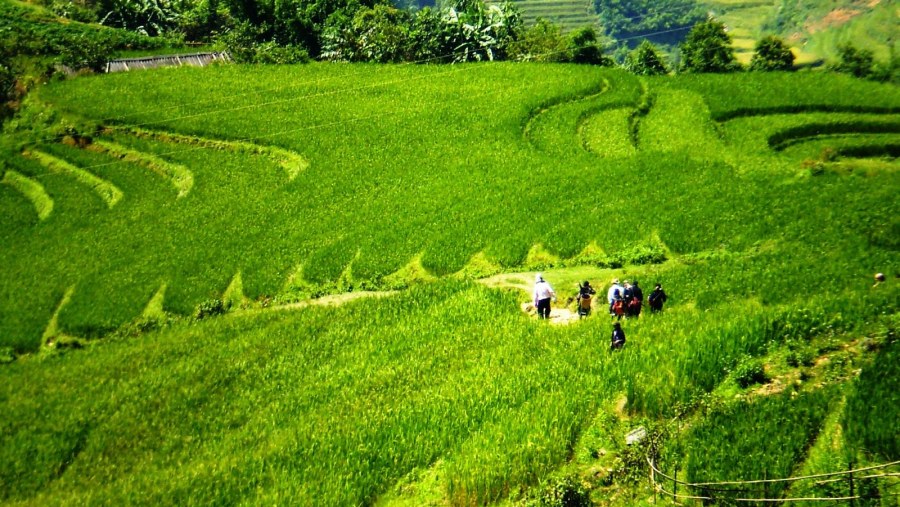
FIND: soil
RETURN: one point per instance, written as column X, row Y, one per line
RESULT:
column 559, row 316
column 834, row 18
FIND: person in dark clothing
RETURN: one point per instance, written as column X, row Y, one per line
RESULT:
column 618, row 337
column 657, row 298
column 637, row 300
column 585, row 293
column 627, row 294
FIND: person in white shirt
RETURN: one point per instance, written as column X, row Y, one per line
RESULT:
column 543, row 292
column 615, row 292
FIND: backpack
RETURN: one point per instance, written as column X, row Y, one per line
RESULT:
column 585, row 302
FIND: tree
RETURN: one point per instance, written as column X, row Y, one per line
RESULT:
column 645, row 61
column 858, row 62
column 543, row 42
column 772, row 54
column 480, row 32
column 625, row 18
column 379, row 34
column 428, row 38
column 585, row 47
column 707, row 48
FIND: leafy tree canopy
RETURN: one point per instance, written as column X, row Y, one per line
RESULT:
column 772, row 54
column 626, row 18
column 645, row 61
column 854, row 61
column 542, row 42
column 586, row 47
column 707, row 48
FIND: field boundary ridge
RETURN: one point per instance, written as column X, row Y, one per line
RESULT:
column 32, row 190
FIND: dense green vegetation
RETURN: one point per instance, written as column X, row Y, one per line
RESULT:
column 32, row 32
column 660, row 21
column 272, row 185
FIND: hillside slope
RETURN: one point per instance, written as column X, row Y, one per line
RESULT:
column 155, row 242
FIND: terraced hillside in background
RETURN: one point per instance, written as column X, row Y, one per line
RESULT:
column 744, row 20
column 568, row 14
column 814, row 31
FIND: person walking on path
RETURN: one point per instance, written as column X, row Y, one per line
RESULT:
column 614, row 293
column 543, row 293
column 657, row 298
column 585, row 292
column 618, row 337
column 637, row 300
column 628, row 295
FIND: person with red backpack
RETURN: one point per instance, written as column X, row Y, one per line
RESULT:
column 636, row 301
column 614, row 293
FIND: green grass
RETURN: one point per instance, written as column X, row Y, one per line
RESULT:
column 755, row 440
column 872, row 407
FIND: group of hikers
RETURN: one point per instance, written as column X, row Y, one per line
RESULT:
column 625, row 300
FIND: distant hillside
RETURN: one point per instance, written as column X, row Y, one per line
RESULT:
column 569, row 14
column 813, row 27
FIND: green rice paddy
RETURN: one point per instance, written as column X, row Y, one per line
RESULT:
column 763, row 203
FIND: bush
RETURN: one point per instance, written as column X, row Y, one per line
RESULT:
column 209, row 308
column 772, row 54
column 853, row 61
column 7, row 355
column 567, row 491
column 800, row 357
column 86, row 53
column 750, row 371
column 272, row 53
column 645, row 60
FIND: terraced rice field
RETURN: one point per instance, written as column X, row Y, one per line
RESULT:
column 568, row 14
column 763, row 202
column 744, row 21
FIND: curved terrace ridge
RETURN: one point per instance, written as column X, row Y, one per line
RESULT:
column 791, row 136
column 178, row 175
column 538, row 112
column 110, row 193
column 733, row 114
column 32, row 190
column 292, row 162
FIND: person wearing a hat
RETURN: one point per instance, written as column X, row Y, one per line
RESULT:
column 614, row 293
column 543, row 292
